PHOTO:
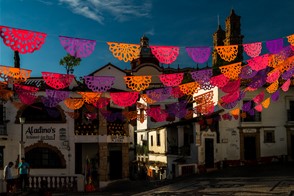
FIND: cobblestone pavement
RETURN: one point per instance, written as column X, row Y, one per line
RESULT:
column 262, row 180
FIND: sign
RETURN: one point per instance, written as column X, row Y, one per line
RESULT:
column 249, row 130
column 40, row 133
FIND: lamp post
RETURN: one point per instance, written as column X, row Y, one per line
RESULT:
column 21, row 142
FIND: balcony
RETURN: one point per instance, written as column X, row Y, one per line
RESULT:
column 86, row 129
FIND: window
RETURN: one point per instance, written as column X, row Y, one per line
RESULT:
column 3, row 130
column 269, row 136
column 142, row 137
column 256, row 117
column 1, row 157
column 42, row 157
column 151, row 140
column 290, row 111
column 158, row 139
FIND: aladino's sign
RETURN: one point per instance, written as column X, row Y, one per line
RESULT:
column 40, row 133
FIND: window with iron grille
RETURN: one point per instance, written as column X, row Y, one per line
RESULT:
column 269, row 136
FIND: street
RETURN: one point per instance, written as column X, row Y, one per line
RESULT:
column 271, row 179
column 256, row 180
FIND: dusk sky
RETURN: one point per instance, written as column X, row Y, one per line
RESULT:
column 165, row 22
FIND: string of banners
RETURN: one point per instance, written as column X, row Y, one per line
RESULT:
column 274, row 69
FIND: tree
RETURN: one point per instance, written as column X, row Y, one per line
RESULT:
column 69, row 62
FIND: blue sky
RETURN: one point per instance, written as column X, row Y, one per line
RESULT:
column 165, row 22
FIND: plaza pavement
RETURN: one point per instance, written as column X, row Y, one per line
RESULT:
column 257, row 180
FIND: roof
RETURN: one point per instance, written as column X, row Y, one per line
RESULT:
column 108, row 64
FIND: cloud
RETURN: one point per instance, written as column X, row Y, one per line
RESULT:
column 122, row 10
column 46, row 2
column 150, row 32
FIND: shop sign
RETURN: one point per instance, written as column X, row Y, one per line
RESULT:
column 249, row 130
column 40, row 133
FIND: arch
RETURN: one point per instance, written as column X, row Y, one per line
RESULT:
column 38, row 113
column 55, row 157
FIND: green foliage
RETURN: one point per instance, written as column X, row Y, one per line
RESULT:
column 141, row 150
column 69, row 62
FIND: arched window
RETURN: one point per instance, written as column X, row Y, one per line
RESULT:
column 43, row 155
column 38, row 113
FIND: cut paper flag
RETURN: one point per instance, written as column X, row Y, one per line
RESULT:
column 171, row 79
column 258, row 108
column 23, row 41
column 54, row 97
column 259, row 98
column 286, row 85
column 56, row 80
column 199, row 54
column 159, row 94
column 99, row 83
column 90, row 97
column 247, row 72
column 291, row 39
column 231, row 71
column 275, row 96
column 219, row 80
column 137, row 83
column 253, row 49
column 147, row 99
column 266, row 103
column 124, row 99
column 227, row 53
column 275, row 46
column 235, row 112
column 74, row 103
column 165, row 54
column 157, row 114
column 77, row 47
column 190, row 88
column 258, row 63
column 273, row 87
column 14, row 75
column 26, row 94
column 273, row 76
column 231, row 86
column 125, row 52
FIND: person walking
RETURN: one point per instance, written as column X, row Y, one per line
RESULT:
column 8, row 177
column 23, row 172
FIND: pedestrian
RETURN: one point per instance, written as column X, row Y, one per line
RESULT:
column 8, row 177
column 23, row 172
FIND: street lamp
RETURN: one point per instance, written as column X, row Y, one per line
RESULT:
column 21, row 142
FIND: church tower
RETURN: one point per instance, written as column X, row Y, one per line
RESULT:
column 146, row 56
column 218, row 40
column 231, row 36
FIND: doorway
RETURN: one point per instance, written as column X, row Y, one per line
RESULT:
column 250, row 148
column 115, row 165
column 209, row 153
